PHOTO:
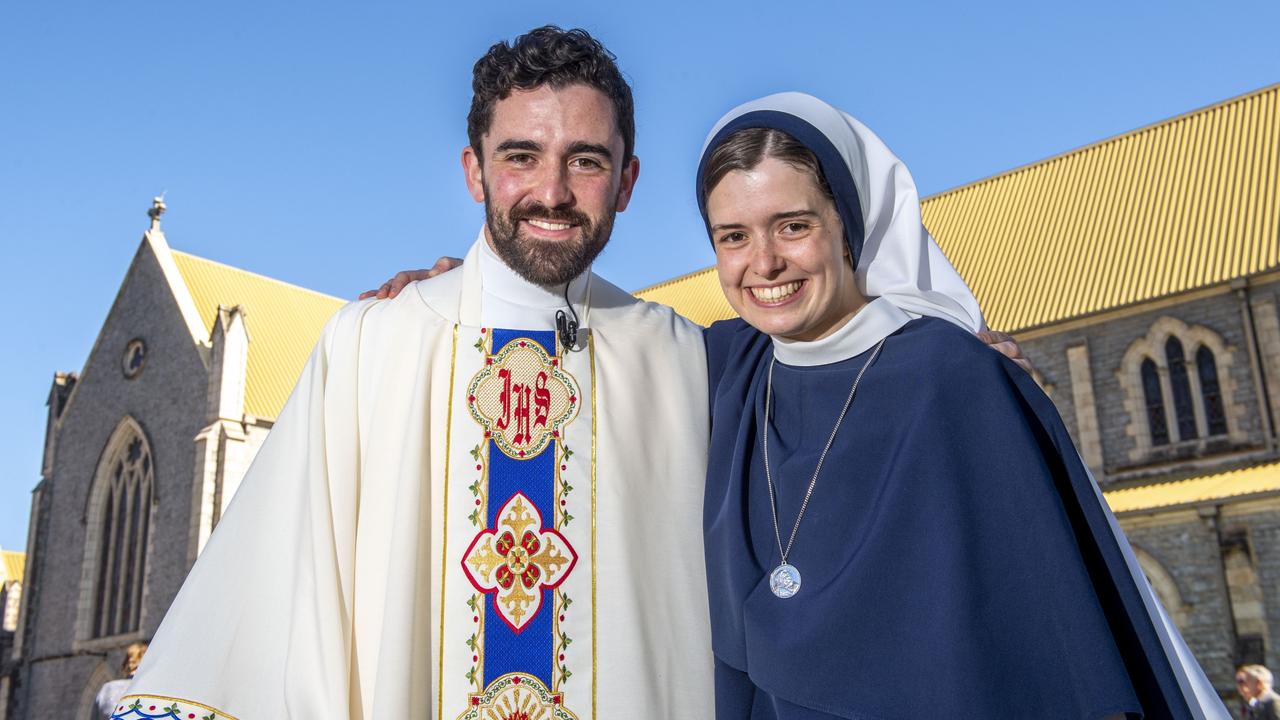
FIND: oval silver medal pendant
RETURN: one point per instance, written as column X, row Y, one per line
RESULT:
column 784, row 581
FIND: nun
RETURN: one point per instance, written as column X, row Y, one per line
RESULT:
column 897, row 524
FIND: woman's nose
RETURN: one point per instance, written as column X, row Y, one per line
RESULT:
column 765, row 260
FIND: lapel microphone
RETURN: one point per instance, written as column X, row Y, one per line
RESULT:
column 568, row 329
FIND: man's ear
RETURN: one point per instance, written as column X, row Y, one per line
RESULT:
column 627, row 183
column 474, row 173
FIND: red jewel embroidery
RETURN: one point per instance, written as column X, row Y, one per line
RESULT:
column 471, row 398
column 483, row 330
column 475, row 618
column 553, row 362
column 555, row 433
column 561, row 618
column 488, row 361
column 153, row 707
column 573, row 398
column 555, row 700
column 564, row 467
column 516, row 680
column 521, row 453
column 487, row 434
column 522, row 343
column 479, row 467
column 475, row 701
column 477, row 501
column 562, row 658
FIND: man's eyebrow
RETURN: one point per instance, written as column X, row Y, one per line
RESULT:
column 592, row 148
column 529, row 145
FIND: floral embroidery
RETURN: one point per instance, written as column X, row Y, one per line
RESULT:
column 516, row 559
column 149, row 707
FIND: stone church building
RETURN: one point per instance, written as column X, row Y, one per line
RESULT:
column 1141, row 275
column 143, row 450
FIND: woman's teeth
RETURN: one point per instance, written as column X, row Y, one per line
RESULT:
column 546, row 225
column 775, row 293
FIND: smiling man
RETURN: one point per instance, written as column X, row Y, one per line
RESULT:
column 481, row 500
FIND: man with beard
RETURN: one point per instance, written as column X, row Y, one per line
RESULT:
column 481, row 499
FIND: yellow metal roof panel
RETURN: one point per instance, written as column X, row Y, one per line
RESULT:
column 1218, row 486
column 15, row 565
column 1186, row 203
column 696, row 296
column 284, row 322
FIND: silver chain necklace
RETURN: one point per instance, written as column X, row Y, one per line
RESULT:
column 784, row 581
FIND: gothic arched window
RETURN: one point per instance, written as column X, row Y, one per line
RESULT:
column 123, row 502
column 1210, row 391
column 1155, row 403
column 1181, row 386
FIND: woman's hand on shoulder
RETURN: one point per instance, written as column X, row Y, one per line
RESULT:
column 392, row 287
column 1004, row 344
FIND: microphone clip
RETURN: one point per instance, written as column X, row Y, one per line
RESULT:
column 568, row 329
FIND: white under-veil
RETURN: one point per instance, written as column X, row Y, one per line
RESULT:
column 896, row 258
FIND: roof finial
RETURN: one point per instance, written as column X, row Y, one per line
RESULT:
column 157, row 209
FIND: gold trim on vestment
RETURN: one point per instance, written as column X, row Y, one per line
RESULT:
column 444, row 551
column 595, row 672
column 216, row 712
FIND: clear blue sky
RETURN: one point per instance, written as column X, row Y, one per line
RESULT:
column 318, row 142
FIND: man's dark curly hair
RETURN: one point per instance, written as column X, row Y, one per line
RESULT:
column 551, row 56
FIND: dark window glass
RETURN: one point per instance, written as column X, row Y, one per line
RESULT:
column 123, row 553
column 1155, row 404
column 1214, row 415
column 1181, row 385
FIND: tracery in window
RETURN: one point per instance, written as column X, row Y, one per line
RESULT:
column 1175, row 400
column 120, row 518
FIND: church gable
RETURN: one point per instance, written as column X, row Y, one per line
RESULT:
column 283, row 322
column 144, row 365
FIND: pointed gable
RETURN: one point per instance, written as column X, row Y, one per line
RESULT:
column 284, row 321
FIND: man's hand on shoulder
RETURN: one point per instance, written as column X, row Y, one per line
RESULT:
column 392, row 287
column 1004, row 344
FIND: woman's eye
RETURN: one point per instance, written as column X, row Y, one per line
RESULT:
column 733, row 237
column 795, row 227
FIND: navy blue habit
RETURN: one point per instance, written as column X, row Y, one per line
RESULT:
column 955, row 560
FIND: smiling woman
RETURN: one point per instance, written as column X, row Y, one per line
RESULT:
column 859, row 541
column 780, row 251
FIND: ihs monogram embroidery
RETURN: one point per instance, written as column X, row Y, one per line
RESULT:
column 522, row 398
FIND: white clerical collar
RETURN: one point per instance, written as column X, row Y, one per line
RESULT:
column 502, row 282
column 505, row 299
column 877, row 320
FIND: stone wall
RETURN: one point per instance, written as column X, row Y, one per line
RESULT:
column 167, row 401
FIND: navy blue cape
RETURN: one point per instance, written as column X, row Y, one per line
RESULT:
column 956, row 561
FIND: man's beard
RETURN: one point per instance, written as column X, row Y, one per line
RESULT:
column 546, row 262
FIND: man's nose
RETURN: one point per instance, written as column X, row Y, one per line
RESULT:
column 553, row 187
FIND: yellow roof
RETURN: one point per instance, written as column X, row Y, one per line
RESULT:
column 1218, row 486
column 1186, row 203
column 14, row 565
column 284, row 322
column 696, row 296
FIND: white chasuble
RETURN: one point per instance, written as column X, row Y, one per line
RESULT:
column 456, row 521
